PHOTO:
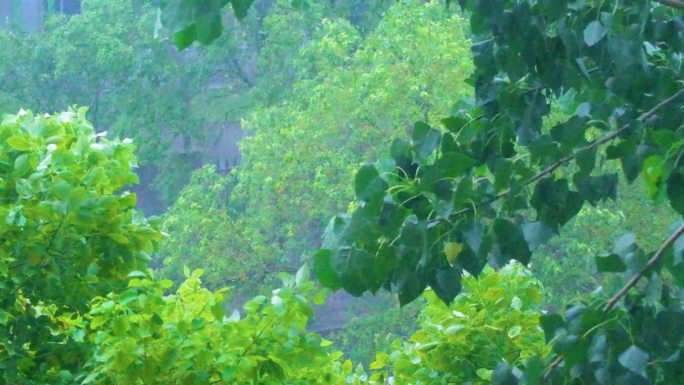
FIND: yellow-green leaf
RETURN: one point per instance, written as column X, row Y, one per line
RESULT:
column 451, row 250
column 119, row 238
column 19, row 142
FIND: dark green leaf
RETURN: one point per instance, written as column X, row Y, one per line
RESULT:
column 611, row 263
column 635, row 360
column 324, row 270
column 185, row 37
column 551, row 323
column 240, row 7
column 446, row 283
column 536, row 234
column 208, row 28
column 503, row 375
column 594, row 32
column 425, row 139
column 369, row 186
column 675, row 191
column 511, row 242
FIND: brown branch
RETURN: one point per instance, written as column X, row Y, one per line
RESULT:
column 552, row 366
column 605, row 139
column 677, row 4
column 649, row 265
column 630, row 284
column 661, row 251
column 590, row 146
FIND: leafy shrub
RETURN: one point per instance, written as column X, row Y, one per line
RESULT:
column 142, row 335
column 68, row 234
column 496, row 318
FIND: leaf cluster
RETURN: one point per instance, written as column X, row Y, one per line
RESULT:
column 68, row 234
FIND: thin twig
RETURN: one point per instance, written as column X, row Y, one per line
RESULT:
column 649, row 265
column 607, row 138
column 661, row 251
column 672, row 3
column 552, row 366
column 630, row 284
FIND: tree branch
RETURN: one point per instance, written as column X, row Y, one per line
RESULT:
column 677, row 4
column 607, row 138
column 649, row 265
column 630, row 284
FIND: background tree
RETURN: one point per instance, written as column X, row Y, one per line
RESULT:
column 335, row 118
column 352, row 94
column 495, row 319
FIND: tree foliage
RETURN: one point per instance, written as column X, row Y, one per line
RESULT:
column 77, row 304
column 492, row 182
column 68, row 234
column 142, row 336
column 496, row 318
column 108, row 59
column 334, row 119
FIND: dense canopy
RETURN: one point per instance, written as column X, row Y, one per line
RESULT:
column 507, row 175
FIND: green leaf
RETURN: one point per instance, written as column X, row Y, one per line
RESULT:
column 610, row 263
column 302, row 274
column 409, row 286
column 119, row 238
column 229, row 373
column 635, row 360
column 20, row 142
column 120, row 326
column 511, row 242
column 240, row 7
column 554, row 202
column 652, row 169
column 325, row 273
column 22, row 165
column 381, row 360
column 185, row 37
column 98, row 321
column 446, row 283
column 551, row 324
column 594, row 32
column 208, row 28
column 425, row 139
column 136, row 274
column 369, row 186
column 514, row 331
column 503, row 375
column 451, row 251
column 675, row 191
column 536, row 234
